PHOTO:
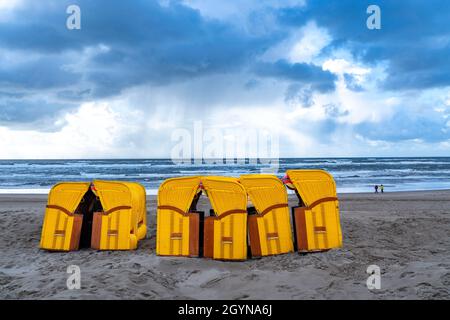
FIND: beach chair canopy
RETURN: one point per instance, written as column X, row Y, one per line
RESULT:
column 312, row 185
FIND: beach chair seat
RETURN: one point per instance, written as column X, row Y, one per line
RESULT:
column 270, row 231
column 178, row 222
column 225, row 233
column 67, row 203
column 316, row 220
column 115, row 226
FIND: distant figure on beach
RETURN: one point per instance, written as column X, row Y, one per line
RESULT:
column 382, row 189
column 376, row 188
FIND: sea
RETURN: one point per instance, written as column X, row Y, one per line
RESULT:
column 351, row 174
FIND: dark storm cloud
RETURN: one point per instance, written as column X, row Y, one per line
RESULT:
column 414, row 38
column 122, row 44
column 35, row 114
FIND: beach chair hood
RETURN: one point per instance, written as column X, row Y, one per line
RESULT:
column 312, row 185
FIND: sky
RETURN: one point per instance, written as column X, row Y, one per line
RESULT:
column 310, row 72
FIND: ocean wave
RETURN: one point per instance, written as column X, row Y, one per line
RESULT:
column 359, row 173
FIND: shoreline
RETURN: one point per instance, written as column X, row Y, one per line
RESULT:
column 153, row 193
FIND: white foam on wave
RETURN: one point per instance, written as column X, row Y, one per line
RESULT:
column 24, row 191
column 150, row 192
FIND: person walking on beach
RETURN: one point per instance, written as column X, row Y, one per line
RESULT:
column 376, row 188
column 382, row 189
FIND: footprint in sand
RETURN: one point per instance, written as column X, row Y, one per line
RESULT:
column 242, row 297
column 405, row 274
column 446, row 279
column 213, row 282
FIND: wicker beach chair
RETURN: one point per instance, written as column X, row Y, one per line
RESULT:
column 225, row 232
column 120, row 223
column 67, row 204
column 178, row 222
column 104, row 215
column 270, row 229
column 316, row 220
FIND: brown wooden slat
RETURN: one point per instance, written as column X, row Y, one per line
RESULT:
column 176, row 235
column 227, row 239
column 208, row 236
column 320, row 229
column 255, row 244
column 300, row 226
column 96, row 230
column 194, row 233
column 272, row 235
column 76, row 231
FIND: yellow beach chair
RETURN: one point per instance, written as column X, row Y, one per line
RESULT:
column 316, row 220
column 104, row 215
column 67, row 204
column 270, row 229
column 225, row 233
column 119, row 224
column 178, row 223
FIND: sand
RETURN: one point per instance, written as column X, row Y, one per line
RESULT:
column 407, row 234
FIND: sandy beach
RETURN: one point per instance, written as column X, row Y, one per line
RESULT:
column 407, row 234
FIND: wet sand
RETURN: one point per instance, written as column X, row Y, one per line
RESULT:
column 407, row 234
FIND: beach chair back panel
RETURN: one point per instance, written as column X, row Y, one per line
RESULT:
column 230, row 237
column 114, row 231
column 62, row 225
column 113, row 228
column 177, row 230
column 273, row 226
column 229, row 201
column 322, row 227
column 173, row 230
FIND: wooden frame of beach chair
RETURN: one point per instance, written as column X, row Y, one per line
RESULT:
column 63, row 217
column 316, row 220
column 178, row 223
column 116, row 227
column 225, row 235
column 270, row 230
